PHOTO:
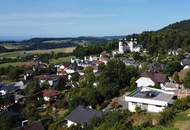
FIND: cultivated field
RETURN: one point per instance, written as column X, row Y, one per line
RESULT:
column 15, row 54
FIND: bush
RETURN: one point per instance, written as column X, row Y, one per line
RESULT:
column 166, row 116
column 181, row 104
column 138, row 109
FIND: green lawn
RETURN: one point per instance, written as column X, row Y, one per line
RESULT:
column 182, row 120
column 61, row 60
column 13, row 64
column 52, row 61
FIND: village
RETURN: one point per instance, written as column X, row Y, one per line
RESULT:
column 45, row 93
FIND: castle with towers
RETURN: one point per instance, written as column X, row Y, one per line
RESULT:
column 131, row 46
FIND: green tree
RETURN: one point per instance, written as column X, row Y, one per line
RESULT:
column 5, row 122
column 166, row 116
column 30, row 111
column 175, row 77
column 172, row 67
column 32, row 88
column 186, row 82
column 14, row 72
column 75, row 77
column 89, row 78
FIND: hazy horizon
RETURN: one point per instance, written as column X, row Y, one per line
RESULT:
column 24, row 19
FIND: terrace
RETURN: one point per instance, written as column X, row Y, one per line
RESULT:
column 151, row 93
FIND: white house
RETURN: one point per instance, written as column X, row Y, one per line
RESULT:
column 145, row 82
column 149, row 99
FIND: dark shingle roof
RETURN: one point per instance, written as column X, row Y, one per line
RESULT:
column 186, row 61
column 83, row 115
column 157, row 77
column 34, row 126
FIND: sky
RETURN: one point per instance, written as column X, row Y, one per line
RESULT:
column 72, row 18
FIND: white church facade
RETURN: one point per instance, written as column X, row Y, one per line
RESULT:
column 131, row 46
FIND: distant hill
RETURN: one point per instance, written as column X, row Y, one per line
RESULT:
column 2, row 49
column 183, row 26
column 53, row 43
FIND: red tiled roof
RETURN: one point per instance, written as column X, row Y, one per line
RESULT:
column 47, row 77
column 27, row 66
column 50, row 93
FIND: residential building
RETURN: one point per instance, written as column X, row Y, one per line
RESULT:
column 52, row 80
column 82, row 116
column 149, row 99
column 50, row 94
column 130, row 62
column 151, row 79
column 8, row 88
column 33, row 126
column 170, row 86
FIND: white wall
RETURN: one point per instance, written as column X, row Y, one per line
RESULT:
column 121, row 47
column 131, row 107
column 69, row 71
column 47, row 99
column 145, row 82
column 153, row 108
column 150, row 108
column 70, row 123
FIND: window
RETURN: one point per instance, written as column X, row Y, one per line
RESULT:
column 134, row 103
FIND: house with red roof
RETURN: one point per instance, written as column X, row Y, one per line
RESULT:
column 50, row 94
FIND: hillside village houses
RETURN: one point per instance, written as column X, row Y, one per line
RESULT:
column 145, row 96
column 78, row 65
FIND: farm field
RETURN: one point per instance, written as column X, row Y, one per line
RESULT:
column 61, row 60
column 24, row 53
column 13, row 64
column 182, row 120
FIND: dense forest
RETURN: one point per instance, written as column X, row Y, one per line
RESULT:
column 171, row 37
column 180, row 26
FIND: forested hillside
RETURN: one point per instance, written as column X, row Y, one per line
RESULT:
column 169, row 38
column 178, row 26
column 52, row 43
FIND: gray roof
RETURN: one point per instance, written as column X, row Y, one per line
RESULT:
column 164, row 97
column 130, row 61
column 83, row 115
column 151, row 94
column 34, row 126
column 186, row 61
column 8, row 87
